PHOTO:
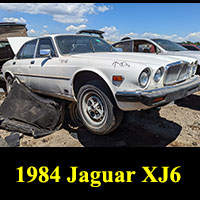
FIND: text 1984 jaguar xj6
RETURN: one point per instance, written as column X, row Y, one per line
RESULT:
column 104, row 83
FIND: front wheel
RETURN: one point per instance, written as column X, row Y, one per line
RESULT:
column 97, row 108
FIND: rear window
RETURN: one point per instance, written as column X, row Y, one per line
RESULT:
column 28, row 50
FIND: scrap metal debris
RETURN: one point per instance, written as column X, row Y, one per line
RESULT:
column 26, row 112
column 13, row 139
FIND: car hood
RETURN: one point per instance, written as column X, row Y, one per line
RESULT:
column 191, row 54
column 140, row 58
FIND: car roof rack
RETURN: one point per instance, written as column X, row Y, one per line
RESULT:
column 11, row 24
column 125, row 38
column 98, row 32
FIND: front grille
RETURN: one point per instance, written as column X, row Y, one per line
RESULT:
column 177, row 73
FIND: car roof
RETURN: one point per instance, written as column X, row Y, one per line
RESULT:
column 63, row 34
column 132, row 39
column 11, row 24
column 148, row 39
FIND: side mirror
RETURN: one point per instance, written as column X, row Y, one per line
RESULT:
column 45, row 52
column 158, row 51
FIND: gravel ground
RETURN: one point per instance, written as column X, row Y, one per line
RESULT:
column 175, row 125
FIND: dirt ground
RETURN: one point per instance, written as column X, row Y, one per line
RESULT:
column 174, row 125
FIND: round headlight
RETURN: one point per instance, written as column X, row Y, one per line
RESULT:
column 158, row 74
column 144, row 77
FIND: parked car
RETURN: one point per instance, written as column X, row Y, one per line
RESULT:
column 8, row 29
column 191, row 47
column 157, row 46
column 103, row 82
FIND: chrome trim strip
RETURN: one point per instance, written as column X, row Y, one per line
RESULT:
column 175, row 63
column 57, row 95
column 43, row 76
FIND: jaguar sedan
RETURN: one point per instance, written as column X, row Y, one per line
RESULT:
column 101, row 82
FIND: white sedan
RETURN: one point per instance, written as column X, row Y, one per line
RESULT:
column 157, row 46
column 103, row 82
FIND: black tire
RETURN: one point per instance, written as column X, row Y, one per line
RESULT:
column 75, row 120
column 97, row 108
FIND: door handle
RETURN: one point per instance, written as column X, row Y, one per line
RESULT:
column 32, row 62
column 14, row 63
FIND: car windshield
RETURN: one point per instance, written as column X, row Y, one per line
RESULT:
column 169, row 45
column 82, row 44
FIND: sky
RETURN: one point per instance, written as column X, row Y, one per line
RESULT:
column 174, row 21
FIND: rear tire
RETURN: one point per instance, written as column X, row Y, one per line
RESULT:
column 97, row 108
column 74, row 115
column 9, row 83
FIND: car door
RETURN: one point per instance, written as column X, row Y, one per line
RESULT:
column 45, row 69
column 24, row 60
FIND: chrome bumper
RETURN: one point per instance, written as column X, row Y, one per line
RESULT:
column 161, row 95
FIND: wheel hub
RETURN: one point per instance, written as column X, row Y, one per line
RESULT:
column 95, row 108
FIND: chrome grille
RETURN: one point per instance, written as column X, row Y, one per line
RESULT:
column 177, row 72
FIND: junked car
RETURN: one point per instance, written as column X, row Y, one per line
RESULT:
column 191, row 47
column 156, row 46
column 103, row 83
column 9, row 29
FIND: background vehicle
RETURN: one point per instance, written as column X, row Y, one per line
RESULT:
column 191, row 47
column 92, row 32
column 156, row 46
column 9, row 29
column 100, row 82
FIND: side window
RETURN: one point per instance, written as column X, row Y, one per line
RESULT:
column 45, row 43
column 144, row 46
column 126, row 46
column 28, row 50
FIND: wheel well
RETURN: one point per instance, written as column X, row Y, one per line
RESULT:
column 198, row 70
column 83, row 77
column 8, row 74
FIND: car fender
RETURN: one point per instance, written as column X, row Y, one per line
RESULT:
column 97, row 72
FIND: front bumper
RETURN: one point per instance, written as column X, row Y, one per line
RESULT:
column 161, row 95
